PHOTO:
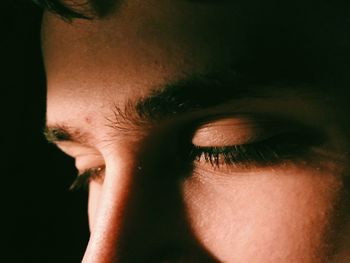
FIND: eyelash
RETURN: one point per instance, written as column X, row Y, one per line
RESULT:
column 83, row 179
column 274, row 150
column 279, row 148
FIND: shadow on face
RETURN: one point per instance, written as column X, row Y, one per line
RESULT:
column 207, row 131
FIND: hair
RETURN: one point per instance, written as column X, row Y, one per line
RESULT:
column 71, row 9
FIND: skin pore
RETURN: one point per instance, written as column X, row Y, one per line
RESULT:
column 201, row 132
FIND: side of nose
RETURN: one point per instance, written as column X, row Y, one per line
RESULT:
column 107, row 217
column 140, row 217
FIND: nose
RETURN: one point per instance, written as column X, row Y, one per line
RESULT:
column 105, row 225
column 141, row 218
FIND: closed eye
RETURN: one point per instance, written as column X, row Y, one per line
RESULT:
column 84, row 178
column 271, row 151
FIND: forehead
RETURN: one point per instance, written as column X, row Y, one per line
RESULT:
column 246, row 35
column 158, row 34
column 145, row 44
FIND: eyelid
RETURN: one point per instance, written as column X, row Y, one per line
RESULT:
column 75, row 149
column 235, row 130
column 88, row 161
column 274, row 150
column 84, row 162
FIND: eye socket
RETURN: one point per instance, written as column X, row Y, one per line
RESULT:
column 88, row 161
column 271, row 151
column 245, row 143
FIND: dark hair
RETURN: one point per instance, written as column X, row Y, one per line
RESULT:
column 78, row 9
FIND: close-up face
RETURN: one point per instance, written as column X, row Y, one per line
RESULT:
column 205, row 131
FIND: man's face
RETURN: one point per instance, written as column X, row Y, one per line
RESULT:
column 199, row 133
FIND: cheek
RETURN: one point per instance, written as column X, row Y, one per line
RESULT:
column 267, row 217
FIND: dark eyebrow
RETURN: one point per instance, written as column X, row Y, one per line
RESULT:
column 188, row 95
column 64, row 133
column 194, row 94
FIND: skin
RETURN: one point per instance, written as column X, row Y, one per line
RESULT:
column 143, row 207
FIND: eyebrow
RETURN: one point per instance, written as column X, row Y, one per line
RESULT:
column 64, row 133
column 191, row 94
column 196, row 93
column 181, row 97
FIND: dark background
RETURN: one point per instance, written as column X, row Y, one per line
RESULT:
column 42, row 220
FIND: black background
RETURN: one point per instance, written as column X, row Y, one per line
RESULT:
column 42, row 221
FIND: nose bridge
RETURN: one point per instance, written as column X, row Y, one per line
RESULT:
column 108, row 220
column 139, row 211
column 141, row 216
